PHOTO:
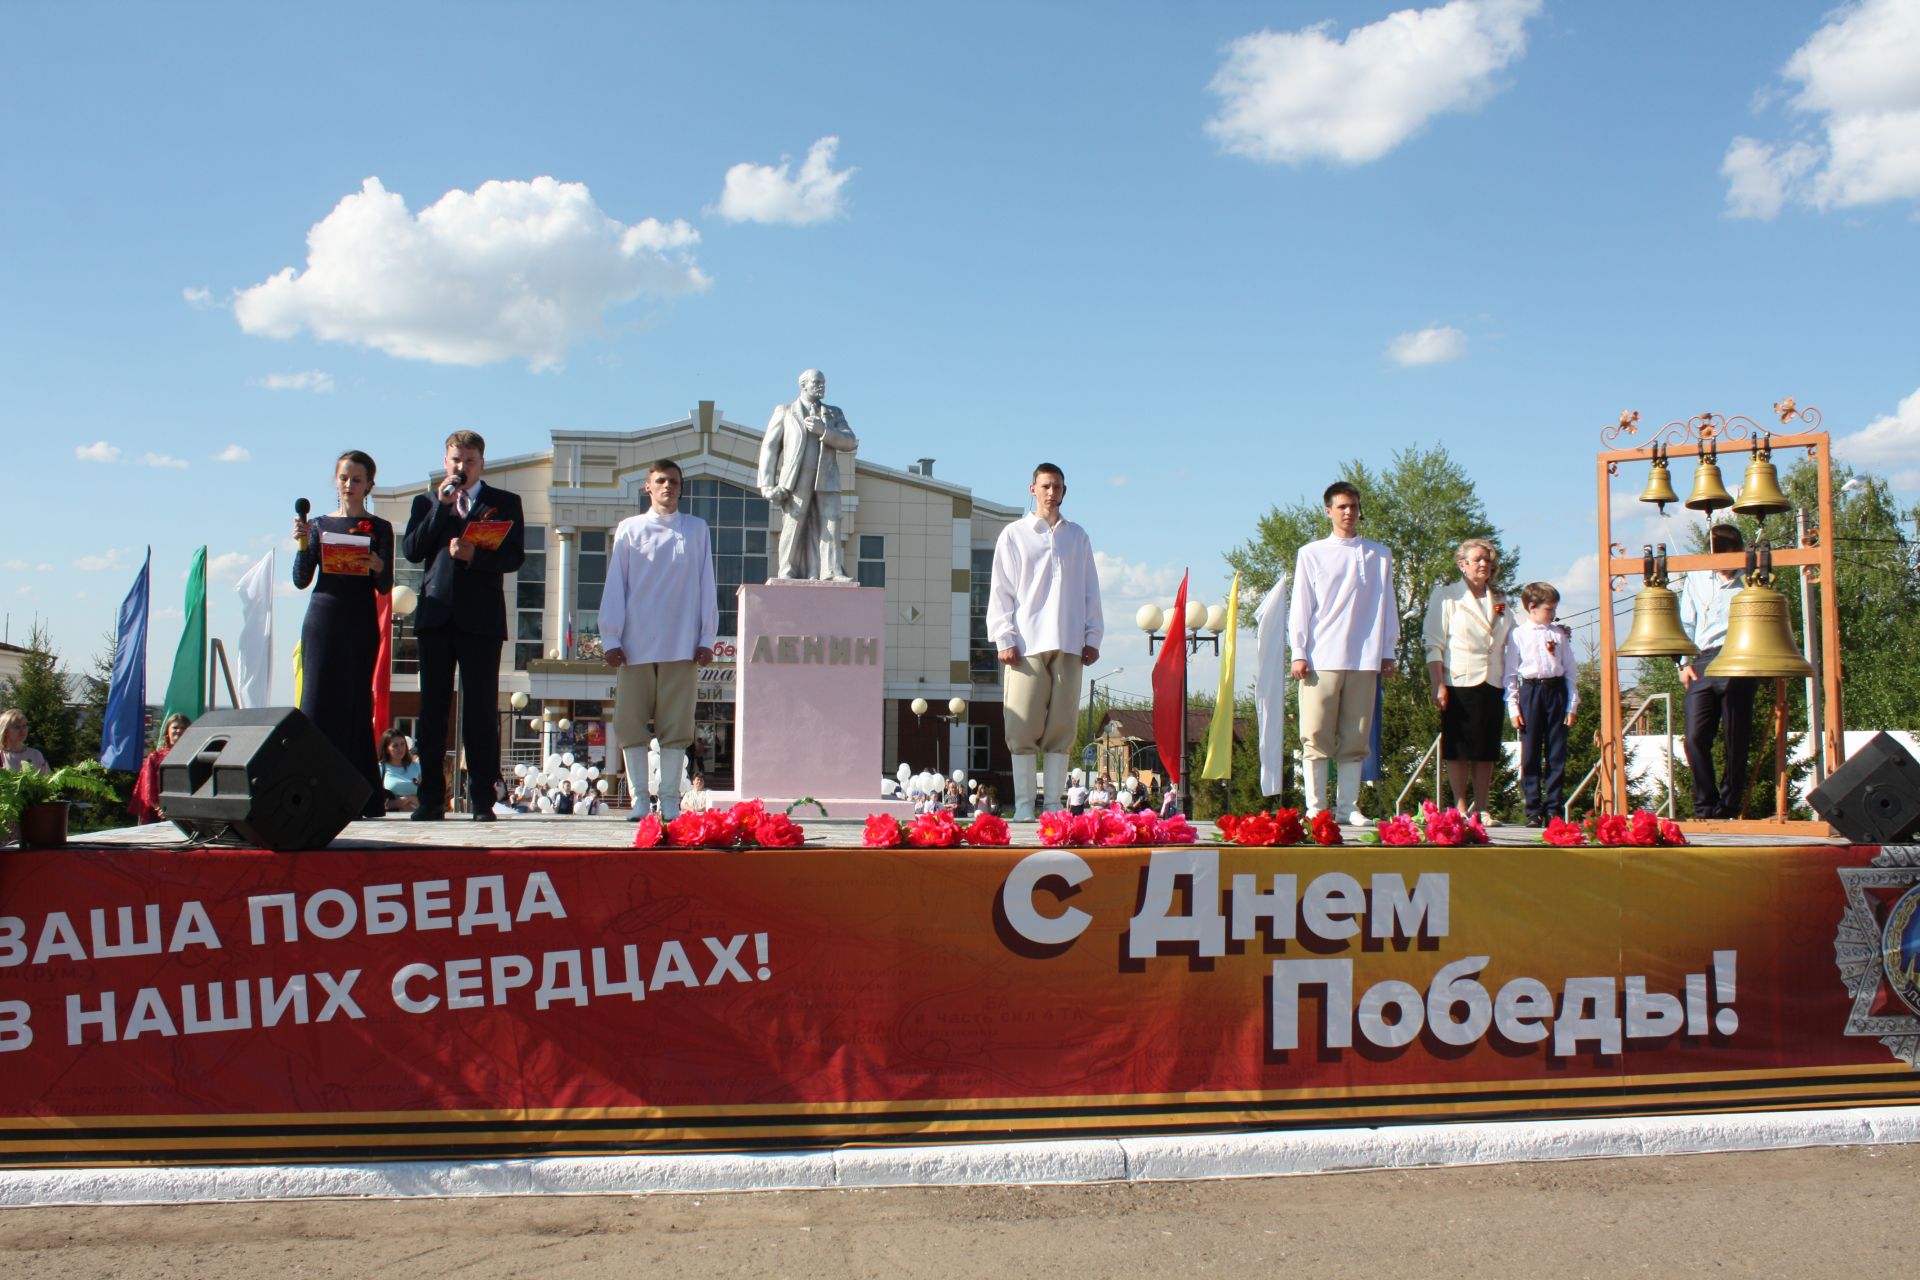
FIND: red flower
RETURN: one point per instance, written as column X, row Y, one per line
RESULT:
column 881, row 832
column 1228, row 824
column 1399, row 831
column 1612, row 829
column 1476, row 833
column 365, row 526
column 1259, row 830
column 1326, row 828
column 1082, row 829
column 935, row 830
column 987, row 829
column 1644, row 826
column 747, row 813
column 1174, row 830
column 1561, row 832
column 778, row 831
column 649, row 833
column 1110, row 829
column 1670, row 833
column 1446, row 827
column 1287, row 827
column 1055, row 828
column 698, row 830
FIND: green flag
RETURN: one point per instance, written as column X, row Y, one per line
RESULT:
column 187, row 688
column 1219, row 761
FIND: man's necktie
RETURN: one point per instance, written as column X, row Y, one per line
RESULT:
column 462, row 504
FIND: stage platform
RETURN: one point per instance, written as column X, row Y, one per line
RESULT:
column 613, row 831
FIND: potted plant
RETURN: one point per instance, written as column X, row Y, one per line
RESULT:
column 35, row 803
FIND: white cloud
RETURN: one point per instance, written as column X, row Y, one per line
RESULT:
column 197, row 298
column 1293, row 96
column 161, row 460
column 1125, row 586
column 512, row 270
column 233, row 453
column 1860, row 99
column 1428, row 346
column 16, row 565
column 1888, row 444
column 229, row 565
column 98, row 451
column 111, row 559
column 1119, row 482
column 311, row 380
column 764, row 192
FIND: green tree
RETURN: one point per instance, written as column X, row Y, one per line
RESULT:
column 1421, row 507
column 93, row 714
column 39, row 692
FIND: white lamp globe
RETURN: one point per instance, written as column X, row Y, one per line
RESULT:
column 564, row 725
column 1149, row 618
column 957, row 706
column 519, row 700
column 405, row 600
column 1196, row 615
column 1216, row 618
column 918, row 706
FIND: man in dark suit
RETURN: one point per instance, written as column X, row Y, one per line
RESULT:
column 462, row 621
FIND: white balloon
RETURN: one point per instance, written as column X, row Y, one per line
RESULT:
column 552, row 762
column 601, row 786
column 578, row 773
column 519, row 771
column 973, row 784
column 959, row 776
column 904, row 773
column 593, row 772
column 580, row 786
column 567, row 759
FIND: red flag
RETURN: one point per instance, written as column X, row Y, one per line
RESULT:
column 1170, row 687
column 383, row 664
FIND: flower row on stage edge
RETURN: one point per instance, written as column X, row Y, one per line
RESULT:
column 746, row 825
column 1277, row 829
column 1112, row 828
column 937, row 830
column 1642, row 827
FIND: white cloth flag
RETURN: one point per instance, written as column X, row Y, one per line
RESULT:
column 1270, row 684
column 253, row 656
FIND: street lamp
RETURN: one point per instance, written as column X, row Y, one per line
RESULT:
column 1150, row 619
column 1093, row 688
column 956, row 710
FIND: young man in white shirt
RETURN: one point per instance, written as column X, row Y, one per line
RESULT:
column 658, row 617
column 1715, row 704
column 1343, row 624
column 1043, row 615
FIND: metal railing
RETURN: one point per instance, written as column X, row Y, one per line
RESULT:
column 1433, row 754
column 1666, row 702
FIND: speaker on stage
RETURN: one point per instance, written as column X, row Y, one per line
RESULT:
column 264, row 777
column 1874, row 798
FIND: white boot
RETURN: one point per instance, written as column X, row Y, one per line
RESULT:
column 673, row 772
column 1348, row 801
column 1023, row 788
column 1054, row 764
column 635, row 761
column 1314, row 782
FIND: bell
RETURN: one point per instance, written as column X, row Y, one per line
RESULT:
column 1759, row 638
column 1656, row 629
column 1660, row 486
column 1760, row 489
column 1709, row 493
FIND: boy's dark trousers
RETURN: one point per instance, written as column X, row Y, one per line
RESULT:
column 1543, row 746
column 1718, row 705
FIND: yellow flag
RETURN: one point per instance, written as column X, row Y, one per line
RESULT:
column 299, row 672
column 1219, row 762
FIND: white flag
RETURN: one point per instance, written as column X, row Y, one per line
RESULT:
column 1270, row 684
column 253, row 656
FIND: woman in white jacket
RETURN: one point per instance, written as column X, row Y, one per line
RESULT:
column 1466, row 637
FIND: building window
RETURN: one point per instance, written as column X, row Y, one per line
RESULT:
column 979, row 748
column 594, row 544
column 737, row 525
column 406, row 646
column 530, row 600
column 871, row 569
column 982, row 658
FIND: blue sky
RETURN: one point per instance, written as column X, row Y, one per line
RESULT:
column 1195, row 254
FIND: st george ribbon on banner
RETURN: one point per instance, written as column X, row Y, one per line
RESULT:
column 123, row 729
column 1170, row 689
column 254, row 654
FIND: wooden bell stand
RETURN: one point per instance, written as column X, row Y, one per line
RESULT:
column 1703, row 433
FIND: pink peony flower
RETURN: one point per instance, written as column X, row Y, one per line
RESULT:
column 881, row 832
column 935, row 830
column 1399, row 831
column 1612, row 829
column 1055, row 828
column 1110, row 830
column 1445, row 827
column 987, row 829
column 1174, row 830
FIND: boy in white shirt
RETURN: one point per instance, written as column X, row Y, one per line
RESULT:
column 659, row 614
column 1043, row 615
column 1542, row 695
column 1343, row 624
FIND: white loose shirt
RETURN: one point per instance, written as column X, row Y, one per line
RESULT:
column 659, row 603
column 1045, row 594
column 1538, row 651
column 1344, row 615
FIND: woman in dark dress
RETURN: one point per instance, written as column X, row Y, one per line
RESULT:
column 341, row 636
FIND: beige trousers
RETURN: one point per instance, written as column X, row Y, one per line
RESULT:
column 1042, row 692
column 1336, row 714
column 656, row 694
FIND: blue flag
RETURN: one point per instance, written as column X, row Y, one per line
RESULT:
column 123, row 732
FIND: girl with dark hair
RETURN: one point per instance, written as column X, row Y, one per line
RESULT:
column 348, row 559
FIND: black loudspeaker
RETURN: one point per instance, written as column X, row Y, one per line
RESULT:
column 1874, row 798
column 265, row 777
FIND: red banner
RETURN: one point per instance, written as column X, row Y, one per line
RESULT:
column 244, row 1005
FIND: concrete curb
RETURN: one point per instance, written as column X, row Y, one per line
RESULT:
column 1145, row 1159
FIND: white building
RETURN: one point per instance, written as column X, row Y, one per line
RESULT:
column 927, row 541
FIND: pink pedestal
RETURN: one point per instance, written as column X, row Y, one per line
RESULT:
column 807, row 714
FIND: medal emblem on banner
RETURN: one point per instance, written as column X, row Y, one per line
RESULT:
column 1877, row 949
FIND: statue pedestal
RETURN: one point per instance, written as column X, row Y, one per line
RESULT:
column 807, row 713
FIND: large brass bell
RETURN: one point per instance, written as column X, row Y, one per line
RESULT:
column 1759, row 636
column 1709, row 491
column 1656, row 629
column 1659, row 488
column 1760, row 493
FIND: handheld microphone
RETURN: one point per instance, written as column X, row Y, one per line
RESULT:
column 454, row 484
column 300, row 508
